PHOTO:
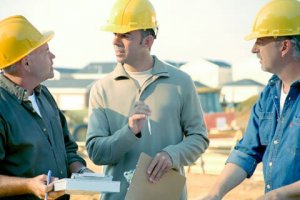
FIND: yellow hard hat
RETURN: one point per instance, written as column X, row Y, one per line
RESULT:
column 277, row 18
column 18, row 37
column 130, row 15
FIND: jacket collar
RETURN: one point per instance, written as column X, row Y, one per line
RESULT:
column 159, row 70
column 16, row 90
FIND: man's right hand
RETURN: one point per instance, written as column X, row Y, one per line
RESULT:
column 138, row 116
column 37, row 186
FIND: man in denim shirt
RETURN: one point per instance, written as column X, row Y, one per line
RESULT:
column 273, row 133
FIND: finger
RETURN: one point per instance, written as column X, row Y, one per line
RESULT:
column 138, row 117
column 43, row 178
column 162, row 171
column 142, row 110
column 55, row 195
column 49, row 187
column 154, row 173
column 152, row 165
column 139, row 103
column 156, row 170
column 167, row 165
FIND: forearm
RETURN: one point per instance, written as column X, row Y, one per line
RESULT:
column 195, row 140
column 292, row 190
column 231, row 176
column 187, row 151
column 105, row 150
column 288, row 192
column 11, row 186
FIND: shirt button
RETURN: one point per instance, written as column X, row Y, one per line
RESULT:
column 44, row 129
column 275, row 142
column 270, row 164
column 268, row 186
column 61, row 172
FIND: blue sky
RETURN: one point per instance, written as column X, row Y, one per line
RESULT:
column 189, row 29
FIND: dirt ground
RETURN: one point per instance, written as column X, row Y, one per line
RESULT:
column 198, row 184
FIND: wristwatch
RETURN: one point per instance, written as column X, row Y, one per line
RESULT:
column 82, row 170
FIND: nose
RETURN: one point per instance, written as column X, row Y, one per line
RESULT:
column 52, row 56
column 116, row 39
column 254, row 48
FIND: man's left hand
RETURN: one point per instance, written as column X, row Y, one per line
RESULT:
column 159, row 165
column 273, row 195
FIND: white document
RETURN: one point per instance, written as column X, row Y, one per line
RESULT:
column 86, row 185
column 96, row 176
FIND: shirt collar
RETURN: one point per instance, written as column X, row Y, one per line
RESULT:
column 276, row 80
column 16, row 90
column 273, row 80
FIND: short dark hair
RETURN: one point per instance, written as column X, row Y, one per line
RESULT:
column 295, row 40
column 146, row 32
column 296, row 45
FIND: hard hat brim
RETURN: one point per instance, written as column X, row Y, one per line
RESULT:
column 251, row 36
column 47, row 36
column 114, row 29
column 121, row 29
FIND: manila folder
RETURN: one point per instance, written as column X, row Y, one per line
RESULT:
column 169, row 187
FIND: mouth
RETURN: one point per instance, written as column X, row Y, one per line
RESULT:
column 259, row 58
column 119, row 50
column 119, row 53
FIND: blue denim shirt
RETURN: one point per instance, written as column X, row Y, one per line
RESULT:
column 272, row 138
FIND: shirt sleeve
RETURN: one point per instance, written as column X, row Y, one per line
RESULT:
column 2, row 138
column 70, row 144
column 194, row 128
column 103, row 147
column 249, row 151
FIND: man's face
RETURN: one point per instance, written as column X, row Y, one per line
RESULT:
column 41, row 63
column 127, row 46
column 268, row 50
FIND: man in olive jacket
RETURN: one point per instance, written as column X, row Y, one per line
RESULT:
column 144, row 105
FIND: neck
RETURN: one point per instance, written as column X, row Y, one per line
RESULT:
column 290, row 74
column 285, row 87
column 22, row 82
column 140, row 65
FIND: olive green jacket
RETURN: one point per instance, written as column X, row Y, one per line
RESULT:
column 176, row 121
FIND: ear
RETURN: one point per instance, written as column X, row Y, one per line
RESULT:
column 148, row 41
column 25, row 63
column 286, row 47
